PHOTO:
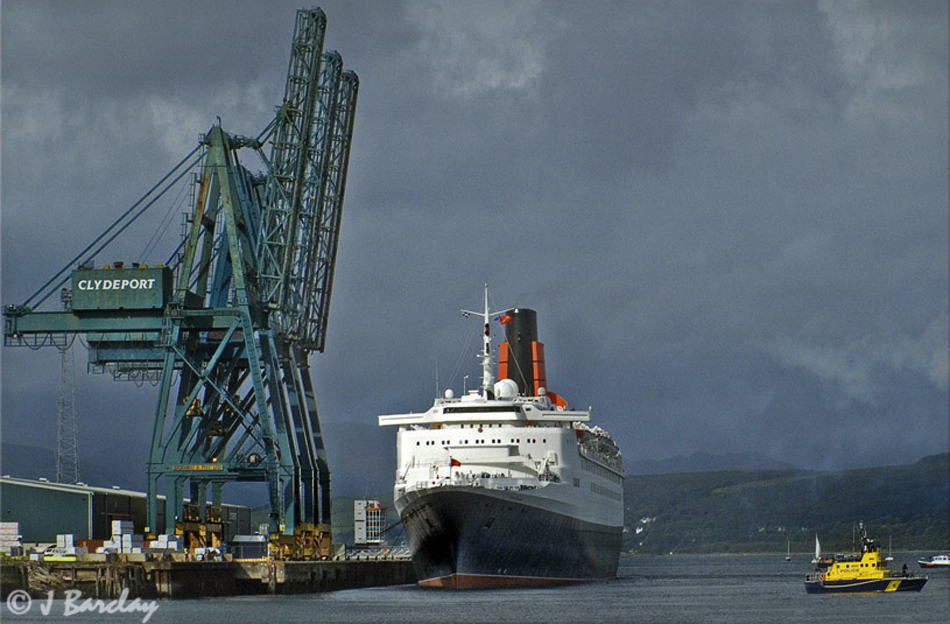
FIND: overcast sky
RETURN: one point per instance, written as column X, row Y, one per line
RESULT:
column 731, row 217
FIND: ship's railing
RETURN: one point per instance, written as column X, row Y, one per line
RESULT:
column 594, row 452
column 481, row 480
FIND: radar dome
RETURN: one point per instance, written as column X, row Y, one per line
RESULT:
column 506, row 389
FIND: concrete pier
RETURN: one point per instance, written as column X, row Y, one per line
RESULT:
column 199, row 579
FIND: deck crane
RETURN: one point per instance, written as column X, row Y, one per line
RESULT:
column 227, row 328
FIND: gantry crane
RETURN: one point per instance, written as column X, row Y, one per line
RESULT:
column 227, row 325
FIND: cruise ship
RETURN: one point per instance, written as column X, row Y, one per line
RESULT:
column 506, row 486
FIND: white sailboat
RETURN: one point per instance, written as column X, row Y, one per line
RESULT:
column 817, row 550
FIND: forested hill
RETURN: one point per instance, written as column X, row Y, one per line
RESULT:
column 906, row 507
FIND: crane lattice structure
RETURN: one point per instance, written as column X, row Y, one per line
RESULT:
column 228, row 328
column 67, row 429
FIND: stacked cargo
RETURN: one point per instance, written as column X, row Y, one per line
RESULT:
column 124, row 539
column 66, row 545
column 164, row 542
column 10, row 539
column 122, row 527
column 132, row 543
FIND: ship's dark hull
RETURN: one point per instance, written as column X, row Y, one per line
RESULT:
column 472, row 538
column 893, row 584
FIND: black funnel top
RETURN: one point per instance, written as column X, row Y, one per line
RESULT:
column 520, row 332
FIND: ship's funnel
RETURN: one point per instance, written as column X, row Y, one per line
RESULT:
column 521, row 357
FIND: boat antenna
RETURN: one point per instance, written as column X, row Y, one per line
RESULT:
column 488, row 378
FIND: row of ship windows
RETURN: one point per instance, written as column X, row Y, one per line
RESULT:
column 599, row 489
column 600, row 471
column 492, row 441
column 481, row 426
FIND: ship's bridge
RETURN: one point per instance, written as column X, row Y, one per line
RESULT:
column 474, row 408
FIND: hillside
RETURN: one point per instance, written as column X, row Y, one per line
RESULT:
column 33, row 462
column 740, row 510
column 759, row 510
column 702, row 461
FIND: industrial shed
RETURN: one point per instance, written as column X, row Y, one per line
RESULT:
column 45, row 510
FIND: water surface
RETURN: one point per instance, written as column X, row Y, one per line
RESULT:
column 711, row 589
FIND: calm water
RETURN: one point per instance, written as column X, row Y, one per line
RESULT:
column 652, row 590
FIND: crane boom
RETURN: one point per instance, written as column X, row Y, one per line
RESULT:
column 292, row 127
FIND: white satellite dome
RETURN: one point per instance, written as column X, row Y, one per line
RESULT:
column 506, row 389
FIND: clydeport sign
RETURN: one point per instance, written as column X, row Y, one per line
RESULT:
column 116, row 284
column 136, row 288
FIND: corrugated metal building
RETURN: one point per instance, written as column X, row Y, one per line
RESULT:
column 46, row 509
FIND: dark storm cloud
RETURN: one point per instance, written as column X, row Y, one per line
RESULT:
column 731, row 217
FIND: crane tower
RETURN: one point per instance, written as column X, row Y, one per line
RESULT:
column 228, row 324
column 67, row 434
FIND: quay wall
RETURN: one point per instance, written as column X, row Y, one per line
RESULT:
column 199, row 579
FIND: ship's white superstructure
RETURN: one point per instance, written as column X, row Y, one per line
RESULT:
column 505, row 485
column 519, row 445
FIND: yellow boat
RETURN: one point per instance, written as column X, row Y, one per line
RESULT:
column 866, row 571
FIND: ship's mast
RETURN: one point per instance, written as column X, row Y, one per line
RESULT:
column 488, row 378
